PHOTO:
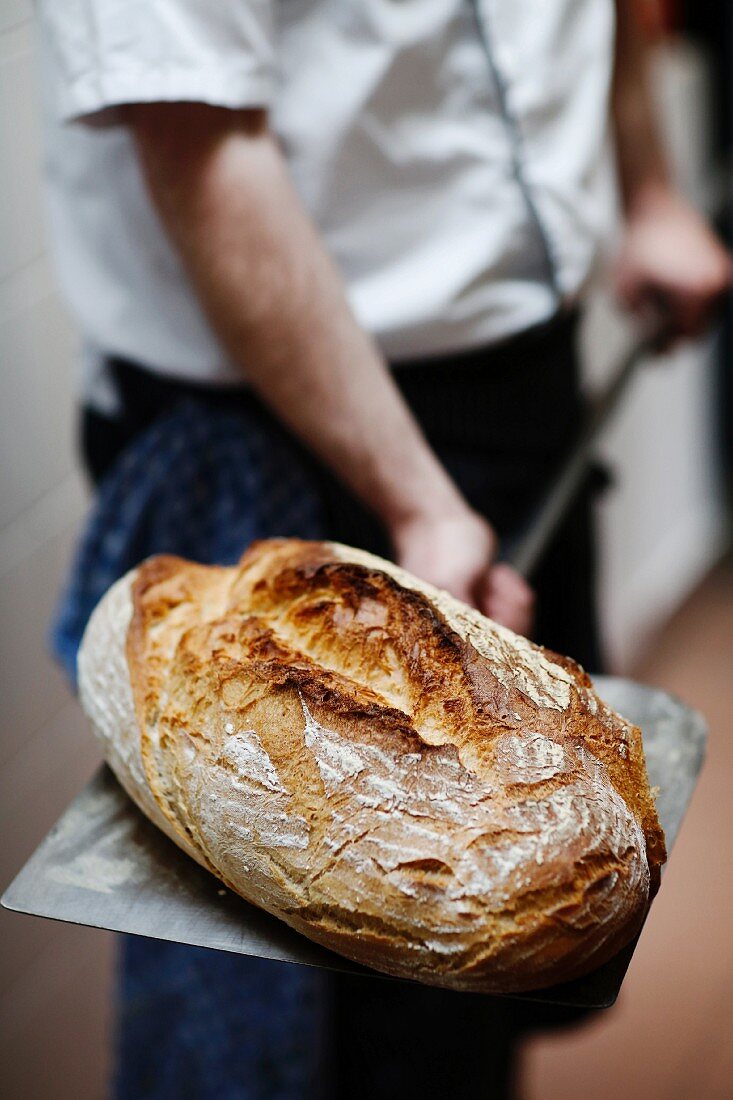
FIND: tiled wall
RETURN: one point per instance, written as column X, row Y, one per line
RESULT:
column 54, row 979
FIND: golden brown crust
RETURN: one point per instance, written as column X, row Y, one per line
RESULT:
column 387, row 771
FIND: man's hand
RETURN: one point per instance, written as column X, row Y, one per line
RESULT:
column 671, row 267
column 457, row 552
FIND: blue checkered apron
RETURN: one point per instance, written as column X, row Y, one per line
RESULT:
column 201, row 482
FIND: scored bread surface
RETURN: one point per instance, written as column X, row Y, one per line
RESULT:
column 394, row 775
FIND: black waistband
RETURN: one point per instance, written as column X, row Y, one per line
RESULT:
column 537, row 341
column 520, row 391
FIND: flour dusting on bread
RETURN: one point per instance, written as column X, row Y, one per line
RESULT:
column 414, row 811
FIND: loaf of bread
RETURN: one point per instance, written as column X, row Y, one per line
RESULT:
column 377, row 764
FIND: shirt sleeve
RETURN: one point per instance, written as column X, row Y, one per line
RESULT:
column 109, row 52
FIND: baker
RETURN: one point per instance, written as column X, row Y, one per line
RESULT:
column 327, row 259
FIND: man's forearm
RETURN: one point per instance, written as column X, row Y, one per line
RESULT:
column 642, row 164
column 277, row 303
column 670, row 269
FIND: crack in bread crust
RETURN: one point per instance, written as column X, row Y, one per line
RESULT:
column 380, row 766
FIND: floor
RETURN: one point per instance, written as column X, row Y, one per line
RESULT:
column 670, row 1037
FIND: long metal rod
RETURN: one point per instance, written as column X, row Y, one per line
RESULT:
column 528, row 551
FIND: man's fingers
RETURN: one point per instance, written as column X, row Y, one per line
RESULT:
column 683, row 308
column 507, row 598
column 511, row 585
column 676, row 313
column 459, row 556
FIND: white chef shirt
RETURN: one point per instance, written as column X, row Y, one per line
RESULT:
column 451, row 153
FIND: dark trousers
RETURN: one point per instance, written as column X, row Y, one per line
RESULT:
column 500, row 420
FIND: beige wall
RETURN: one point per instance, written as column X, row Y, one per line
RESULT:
column 53, row 979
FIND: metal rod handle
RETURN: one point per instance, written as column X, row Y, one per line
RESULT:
column 528, row 551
